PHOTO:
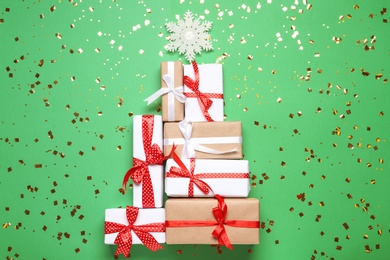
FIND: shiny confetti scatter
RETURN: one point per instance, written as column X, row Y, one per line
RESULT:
column 308, row 80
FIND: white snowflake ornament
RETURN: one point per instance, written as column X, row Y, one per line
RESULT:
column 189, row 36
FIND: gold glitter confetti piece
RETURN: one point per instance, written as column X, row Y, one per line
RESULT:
column 58, row 35
column 100, row 113
column 321, row 203
column 52, row 8
column 77, row 250
column 345, row 225
column 6, row 225
column 130, row 114
column 97, row 50
column 38, row 165
column 301, row 214
column 337, row 40
column 81, row 153
column 339, row 247
column 256, row 123
column 273, row 72
column 279, row 100
column 368, row 165
column 1, row 20
column 291, row 209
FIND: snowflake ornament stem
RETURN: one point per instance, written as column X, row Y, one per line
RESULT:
column 189, row 36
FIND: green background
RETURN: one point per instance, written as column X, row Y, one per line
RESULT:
column 314, row 110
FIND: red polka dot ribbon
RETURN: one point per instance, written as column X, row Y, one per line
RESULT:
column 124, row 238
column 140, row 170
column 204, row 99
column 220, row 221
column 183, row 172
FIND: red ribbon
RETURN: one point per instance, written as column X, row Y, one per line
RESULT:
column 203, row 98
column 219, row 231
column 124, row 238
column 140, row 170
column 182, row 171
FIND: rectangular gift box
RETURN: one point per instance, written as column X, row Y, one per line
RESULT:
column 221, row 136
column 228, row 178
column 200, row 209
column 156, row 171
column 145, row 216
column 172, row 109
column 210, row 82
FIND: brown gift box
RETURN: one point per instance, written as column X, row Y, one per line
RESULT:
column 201, row 209
column 175, row 70
column 208, row 134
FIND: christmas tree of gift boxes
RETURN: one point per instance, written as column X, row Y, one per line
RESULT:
column 205, row 178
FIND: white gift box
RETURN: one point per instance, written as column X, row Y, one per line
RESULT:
column 156, row 171
column 145, row 216
column 210, row 81
column 221, row 183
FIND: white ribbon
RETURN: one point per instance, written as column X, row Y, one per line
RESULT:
column 193, row 144
column 177, row 92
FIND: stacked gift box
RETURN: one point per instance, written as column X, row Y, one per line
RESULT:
column 206, row 180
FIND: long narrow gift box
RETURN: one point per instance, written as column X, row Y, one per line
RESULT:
column 144, row 226
column 147, row 171
column 212, row 221
column 204, row 178
column 172, row 108
column 204, row 140
column 210, row 88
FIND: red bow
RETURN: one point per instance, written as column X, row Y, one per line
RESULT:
column 204, row 101
column 183, row 172
column 124, row 237
column 219, row 232
column 140, row 170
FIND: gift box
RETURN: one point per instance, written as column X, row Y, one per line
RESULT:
column 147, row 226
column 204, row 178
column 205, row 96
column 204, row 140
column 147, row 171
column 173, row 101
column 171, row 91
column 212, row 221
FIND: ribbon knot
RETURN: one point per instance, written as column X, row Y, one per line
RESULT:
column 124, row 238
column 204, row 101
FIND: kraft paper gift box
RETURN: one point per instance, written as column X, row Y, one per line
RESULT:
column 204, row 140
column 147, row 135
column 172, row 108
column 171, row 91
column 210, row 84
column 151, row 221
column 191, row 220
column 228, row 178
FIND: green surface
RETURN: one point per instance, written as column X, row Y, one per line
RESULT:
column 318, row 156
